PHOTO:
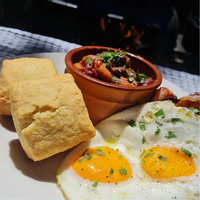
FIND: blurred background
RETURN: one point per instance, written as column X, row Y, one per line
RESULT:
column 164, row 32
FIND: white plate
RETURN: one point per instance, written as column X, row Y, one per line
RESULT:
column 20, row 177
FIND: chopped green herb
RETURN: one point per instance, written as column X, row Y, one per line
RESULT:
column 87, row 59
column 131, row 79
column 124, row 66
column 80, row 159
column 161, row 157
column 88, row 156
column 95, row 57
column 110, row 56
column 123, row 171
column 120, row 70
column 132, row 123
column 115, row 78
column 177, row 120
column 163, row 116
column 148, row 154
column 111, row 171
column 143, row 161
column 141, row 77
column 142, row 126
column 170, row 135
column 151, row 150
column 117, row 83
column 117, row 150
column 124, row 52
column 100, row 152
column 159, row 113
column 105, row 64
column 95, row 184
column 158, row 123
column 157, row 131
column 120, row 156
column 143, row 140
column 186, row 152
column 194, row 110
column 142, row 153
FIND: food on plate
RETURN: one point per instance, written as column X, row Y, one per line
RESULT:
column 190, row 101
column 150, row 151
column 163, row 93
column 49, row 115
column 21, row 69
column 113, row 67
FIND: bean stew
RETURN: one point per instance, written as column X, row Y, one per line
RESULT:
column 113, row 67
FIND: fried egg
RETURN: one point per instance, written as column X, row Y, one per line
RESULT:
column 149, row 151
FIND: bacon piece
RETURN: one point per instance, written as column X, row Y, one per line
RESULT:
column 192, row 100
column 147, row 81
column 163, row 93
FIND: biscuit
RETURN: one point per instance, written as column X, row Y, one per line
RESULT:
column 19, row 70
column 49, row 115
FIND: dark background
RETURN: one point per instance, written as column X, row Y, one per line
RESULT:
column 164, row 32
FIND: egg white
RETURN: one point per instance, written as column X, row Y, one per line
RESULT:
column 115, row 132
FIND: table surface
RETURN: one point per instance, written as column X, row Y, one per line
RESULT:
column 14, row 42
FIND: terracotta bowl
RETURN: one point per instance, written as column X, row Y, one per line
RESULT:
column 103, row 99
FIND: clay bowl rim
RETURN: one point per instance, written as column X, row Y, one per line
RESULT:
column 69, row 64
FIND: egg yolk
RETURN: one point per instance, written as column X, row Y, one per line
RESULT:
column 102, row 164
column 162, row 163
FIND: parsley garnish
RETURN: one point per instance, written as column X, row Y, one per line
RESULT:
column 143, row 140
column 158, row 123
column 123, row 171
column 131, row 79
column 132, row 123
column 141, row 77
column 111, row 171
column 100, row 152
column 170, row 135
column 110, row 56
column 148, row 154
column 161, row 157
column 87, row 59
column 93, row 58
column 88, row 156
column 177, row 120
column 194, row 110
column 95, row 184
column 115, row 78
column 142, row 153
column 120, row 156
column 186, row 152
column 157, row 131
column 142, row 126
column 159, row 113
column 81, row 157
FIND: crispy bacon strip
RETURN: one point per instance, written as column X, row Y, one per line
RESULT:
column 192, row 100
column 164, row 93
